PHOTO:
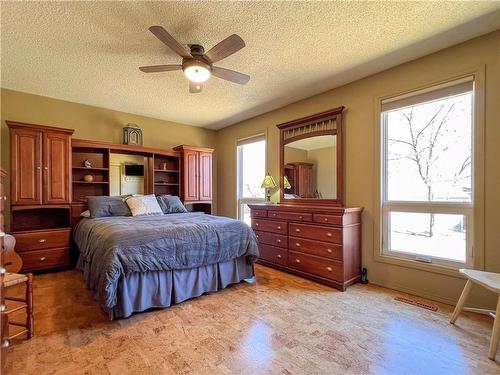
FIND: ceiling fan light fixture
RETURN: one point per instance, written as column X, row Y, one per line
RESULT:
column 196, row 71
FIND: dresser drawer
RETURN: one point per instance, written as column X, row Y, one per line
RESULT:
column 272, row 239
column 297, row 216
column 316, row 232
column 270, row 226
column 42, row 259
column 323, row 249
column 328, row 219
column 258, row 213
column 37, row 240
column 326, row 268
column 274, row 254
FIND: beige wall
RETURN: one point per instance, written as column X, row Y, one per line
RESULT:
column 95, row 123
column 361, row 167
column 324, row 160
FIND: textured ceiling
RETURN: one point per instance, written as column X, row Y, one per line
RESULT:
column 89, row 52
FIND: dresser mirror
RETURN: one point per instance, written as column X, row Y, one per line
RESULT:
column 311, row 159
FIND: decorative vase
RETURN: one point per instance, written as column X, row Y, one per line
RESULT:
column 88, row 178
column 132, row 135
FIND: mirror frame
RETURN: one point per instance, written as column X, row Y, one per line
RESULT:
column 332, row 116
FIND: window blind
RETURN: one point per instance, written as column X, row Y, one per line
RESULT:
column 429, row 94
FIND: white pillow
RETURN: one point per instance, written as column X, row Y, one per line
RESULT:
column 144, row 205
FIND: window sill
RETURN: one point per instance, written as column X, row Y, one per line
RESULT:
column 427, row 267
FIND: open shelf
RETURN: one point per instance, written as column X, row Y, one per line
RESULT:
column 90, row 182
column 166, row 175
column 40, row 218
column 92, row 169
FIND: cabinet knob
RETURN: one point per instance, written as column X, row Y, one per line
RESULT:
column 329, row 234
column 5, row 343
column 325, row 219
column 274, row 214
column 278, row 240
column 297, row 260
column 38, row 168
column 297, row 230
column 42, row 240
column 278, row 256
column 300, row 217
column 2, row 271
column 329, row 269
column 329, row 250
column 3, row 308
column 42, row 258
column 279, row 227
column 297, row 244
column 257, row 236
column 256, row 224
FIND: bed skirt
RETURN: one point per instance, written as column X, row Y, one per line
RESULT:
column 157, row 289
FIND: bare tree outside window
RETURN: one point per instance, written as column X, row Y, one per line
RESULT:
column 430, row 141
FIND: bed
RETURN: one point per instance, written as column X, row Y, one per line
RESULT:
column 132, row 264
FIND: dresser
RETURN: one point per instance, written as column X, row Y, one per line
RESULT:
column 40, row 162
column 320, row 243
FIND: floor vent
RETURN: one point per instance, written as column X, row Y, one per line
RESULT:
column 415, row 303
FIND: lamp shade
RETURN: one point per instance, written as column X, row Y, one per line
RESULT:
column 268, row 182
column 286, row 183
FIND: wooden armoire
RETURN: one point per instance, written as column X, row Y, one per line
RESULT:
column 196, row 169
column 40, row 191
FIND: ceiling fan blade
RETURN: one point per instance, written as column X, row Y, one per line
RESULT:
column 225, row 48
column 195, row 87
column 159, row 68
column 230, row 75
column 170, row 42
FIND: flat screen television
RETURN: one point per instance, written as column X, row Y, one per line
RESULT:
column 134, row 170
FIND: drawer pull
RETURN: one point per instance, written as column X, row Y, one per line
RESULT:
column 326, row 219
column 42, row 258
column 256, row 224
column 297, row 260
column 297, row 244
column 42, row 240
column 2, row 271
column 279, row 227
column 300, row 217
column 278, row 240
column 278, row 256
column 329, row 269
column 5, row 343
column 257, row 236
column 329, row 250
column 274, row 214
column 329, row 234
column 297, row 230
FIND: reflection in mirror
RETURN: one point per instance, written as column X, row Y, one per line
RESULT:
column 311, row 168
column 126, row 174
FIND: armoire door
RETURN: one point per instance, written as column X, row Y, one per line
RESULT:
column 56, row 168
column 191, row 174
column 26, row 165
column 205, row 176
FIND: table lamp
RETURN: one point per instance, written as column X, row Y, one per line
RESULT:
column 268, row 184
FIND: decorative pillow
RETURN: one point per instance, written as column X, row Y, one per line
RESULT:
column 144, row 205
column 103, row 206
column 85, row 213
column 171, row 204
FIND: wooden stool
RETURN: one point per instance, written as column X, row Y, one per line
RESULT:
column 490, row 281
column 11, row 279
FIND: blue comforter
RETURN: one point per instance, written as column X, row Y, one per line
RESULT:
column 114, row 246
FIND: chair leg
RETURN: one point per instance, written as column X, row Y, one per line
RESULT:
column 461, row 302
column 495, row 334
column 29, row 305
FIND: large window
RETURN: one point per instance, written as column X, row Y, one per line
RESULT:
column 251, row 157
column 427, row 175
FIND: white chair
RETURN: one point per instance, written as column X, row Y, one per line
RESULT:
column 490, row 281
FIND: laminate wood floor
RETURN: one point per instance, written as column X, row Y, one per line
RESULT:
column 279, row 325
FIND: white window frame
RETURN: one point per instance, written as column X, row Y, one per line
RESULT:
column 241, row 201
column 463, row 208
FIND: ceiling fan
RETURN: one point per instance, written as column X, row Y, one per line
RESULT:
column 196, row 64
